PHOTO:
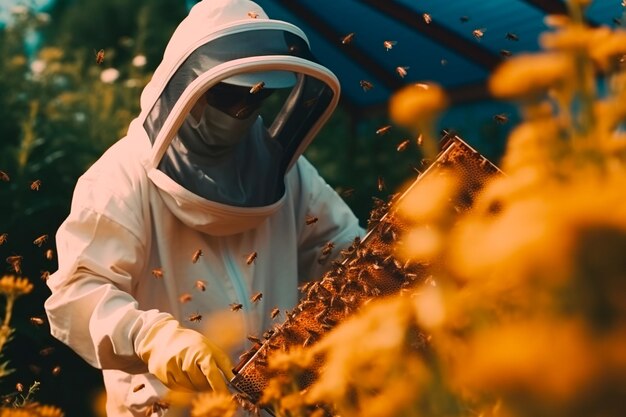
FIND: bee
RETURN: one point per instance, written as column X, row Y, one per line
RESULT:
column 402, row 71
column 195, row 317
column 478, row 33
column 347, row 193
column 310, row 220
column 185, row 298
column 56, row 370
column 389, row 44
column 420, row 139
column 274, row 313
column 464, row 19
column 35, row 185
column 46, row 351
column 157, row 407
column 4, row 176
column 253, row 15
column 383, row 130
column 45, row 275
column 443, row 62
column 251, row 258
column 99, row 56
column 403, row 145
column 501, row 118
column 201, row 285
column 257, row 87
column 256, row 297
column 139, row 387
column 16, row 263
column 366, row 85
column 37, row 321
column 427, row 18
column 328, row 247
column 348, row 38
column 512, row 37
column 381, row 183
column 19, row 387
column 196, row 255
column 3, row 238
column 40, row 240
column 505, row 53
column 157, row 272
column 254, row 339
column 235, row 306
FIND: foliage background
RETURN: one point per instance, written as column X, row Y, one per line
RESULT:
column 60, row 113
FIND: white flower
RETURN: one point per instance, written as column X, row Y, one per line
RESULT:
column 109, row 75
column 139, row 61
column 37, row 66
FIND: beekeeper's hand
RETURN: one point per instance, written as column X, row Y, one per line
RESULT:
column 183, row 359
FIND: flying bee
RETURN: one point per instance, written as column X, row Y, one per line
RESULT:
column 201, row 285
column 256, row 297
column 443, row 62
column 254, row 339
column 348, row 38
column 257, row 87
column 46, row 351
column 37, row 321
column 195, row 317
column 464, row 19
column 99, row 56
column 274, row 313
column 49, row 254
column 16, row 263
column 478, row 33
column 420, row 139
column 389, row 44
column 383, row 130
column 381, row 183
column 403, row 145
column 328, row 247
column 45, row 275
column 501, row 118
column 19, row 387
column 253, row 15
column 402, row 71
column 427, row 18
column 56, row 370
column 196, row 255
column 139, row 387
column 512, row 37
column 505, row 53
column 157, row 272
column 157, row 407
column 251, row 258
column 40, row 240
column 366, row 85
column 184, row 298
column 310, row 220
column 4, row 176
column 35, row 185
column 3, row 238
column 347, row 193
column 235, row 306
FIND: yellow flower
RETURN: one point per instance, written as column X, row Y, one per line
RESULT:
column 213, row 404
column 607, row 53
column 49, row 411
column 416, row 104
column 14, row 287
column 529, row 75
column 575, row 38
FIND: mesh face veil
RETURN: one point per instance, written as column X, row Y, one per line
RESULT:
column 238, row 111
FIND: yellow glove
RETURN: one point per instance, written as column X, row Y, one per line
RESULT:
column 183, row 359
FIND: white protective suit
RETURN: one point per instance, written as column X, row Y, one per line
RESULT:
column 128, row 217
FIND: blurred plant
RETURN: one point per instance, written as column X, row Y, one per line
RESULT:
column 525, row 313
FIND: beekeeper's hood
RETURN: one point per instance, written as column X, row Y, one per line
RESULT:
column 234, row 103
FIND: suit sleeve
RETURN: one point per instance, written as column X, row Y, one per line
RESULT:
column 91, row 308
column 336, row 223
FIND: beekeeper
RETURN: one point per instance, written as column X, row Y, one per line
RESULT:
column 210, row 173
